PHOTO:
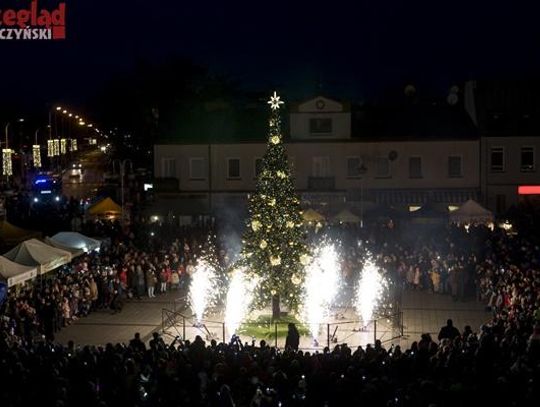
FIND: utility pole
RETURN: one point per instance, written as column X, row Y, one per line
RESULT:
column 122, row 164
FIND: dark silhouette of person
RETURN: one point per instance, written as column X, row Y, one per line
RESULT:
column 449, row 331
column 137, row 344
column 293, row 337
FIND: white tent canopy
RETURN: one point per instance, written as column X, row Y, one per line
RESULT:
column 73, row 242
column 35, row 253
column 14, row 273
column 471, row 212
column 346, row 216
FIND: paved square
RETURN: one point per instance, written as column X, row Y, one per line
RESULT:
column 422, row 313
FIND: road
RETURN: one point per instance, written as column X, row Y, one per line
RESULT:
column 85, row 182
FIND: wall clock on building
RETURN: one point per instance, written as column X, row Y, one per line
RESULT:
column 320, row 104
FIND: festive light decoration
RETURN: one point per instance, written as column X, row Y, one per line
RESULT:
column 56, row 147
column 50, row 148
column 305, row 259
column 321, row 286
column 36, row 155
column 263, row 244
column 239, row 298
column 274, row 103
column 275, row 260
column 275, row 205
column 7, row 165
column 369, row 291
column 73, row 144
column 63, row 146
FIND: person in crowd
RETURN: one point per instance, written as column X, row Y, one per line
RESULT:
column 449, row 331
column 293, row 337
column 151, row 281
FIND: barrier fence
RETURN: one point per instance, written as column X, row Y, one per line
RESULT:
column 312, row 336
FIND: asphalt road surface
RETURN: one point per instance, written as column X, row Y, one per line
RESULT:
column 84, row 183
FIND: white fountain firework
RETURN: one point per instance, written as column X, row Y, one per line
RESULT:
column 323, row 279
column 239, row 297
column 203, row 290
column 369, row 291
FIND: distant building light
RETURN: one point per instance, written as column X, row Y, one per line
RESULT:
column 529, row 190
column 414, row 208
column 452, row 208
column 148, row 186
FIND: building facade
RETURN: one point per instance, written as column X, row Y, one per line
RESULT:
column 331, row 166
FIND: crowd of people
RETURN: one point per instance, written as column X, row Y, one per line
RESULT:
column 496, row 364
column 101, row 280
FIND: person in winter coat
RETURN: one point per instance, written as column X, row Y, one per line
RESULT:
column 150, row 283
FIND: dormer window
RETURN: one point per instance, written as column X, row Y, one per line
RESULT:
column 320, row 126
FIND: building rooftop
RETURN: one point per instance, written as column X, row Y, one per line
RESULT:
column 225, row 123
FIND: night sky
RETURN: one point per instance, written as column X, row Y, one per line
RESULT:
column 355, row 49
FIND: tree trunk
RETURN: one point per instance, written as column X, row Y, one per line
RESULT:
column 276, row 311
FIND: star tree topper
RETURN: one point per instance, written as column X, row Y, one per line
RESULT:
column 274, row 101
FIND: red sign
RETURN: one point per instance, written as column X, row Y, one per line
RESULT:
column 33, row 23
column 529, row 190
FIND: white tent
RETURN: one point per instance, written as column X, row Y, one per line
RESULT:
column 471, row 212
column 73, row 242
column 35, row 253
column 346, row 216
column 14, row 273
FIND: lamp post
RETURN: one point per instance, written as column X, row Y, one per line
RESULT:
column 122, row 164
column 362, row 170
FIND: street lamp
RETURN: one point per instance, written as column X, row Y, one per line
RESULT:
column 122, row 164
column 362, row 170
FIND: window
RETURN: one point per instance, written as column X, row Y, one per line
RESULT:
column 233, row 168
column 320, row 126
column 353, row 167
column 258, row 164
column 497, row 159
column 321, row 166
column 527, row 159
column 415, row 167
column 196, row 168
column 382, row 167
column 168, row 167
column 455, row 169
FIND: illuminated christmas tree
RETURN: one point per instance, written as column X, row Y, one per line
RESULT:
column 274, row 247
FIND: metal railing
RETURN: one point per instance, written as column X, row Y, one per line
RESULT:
column 384, row 328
